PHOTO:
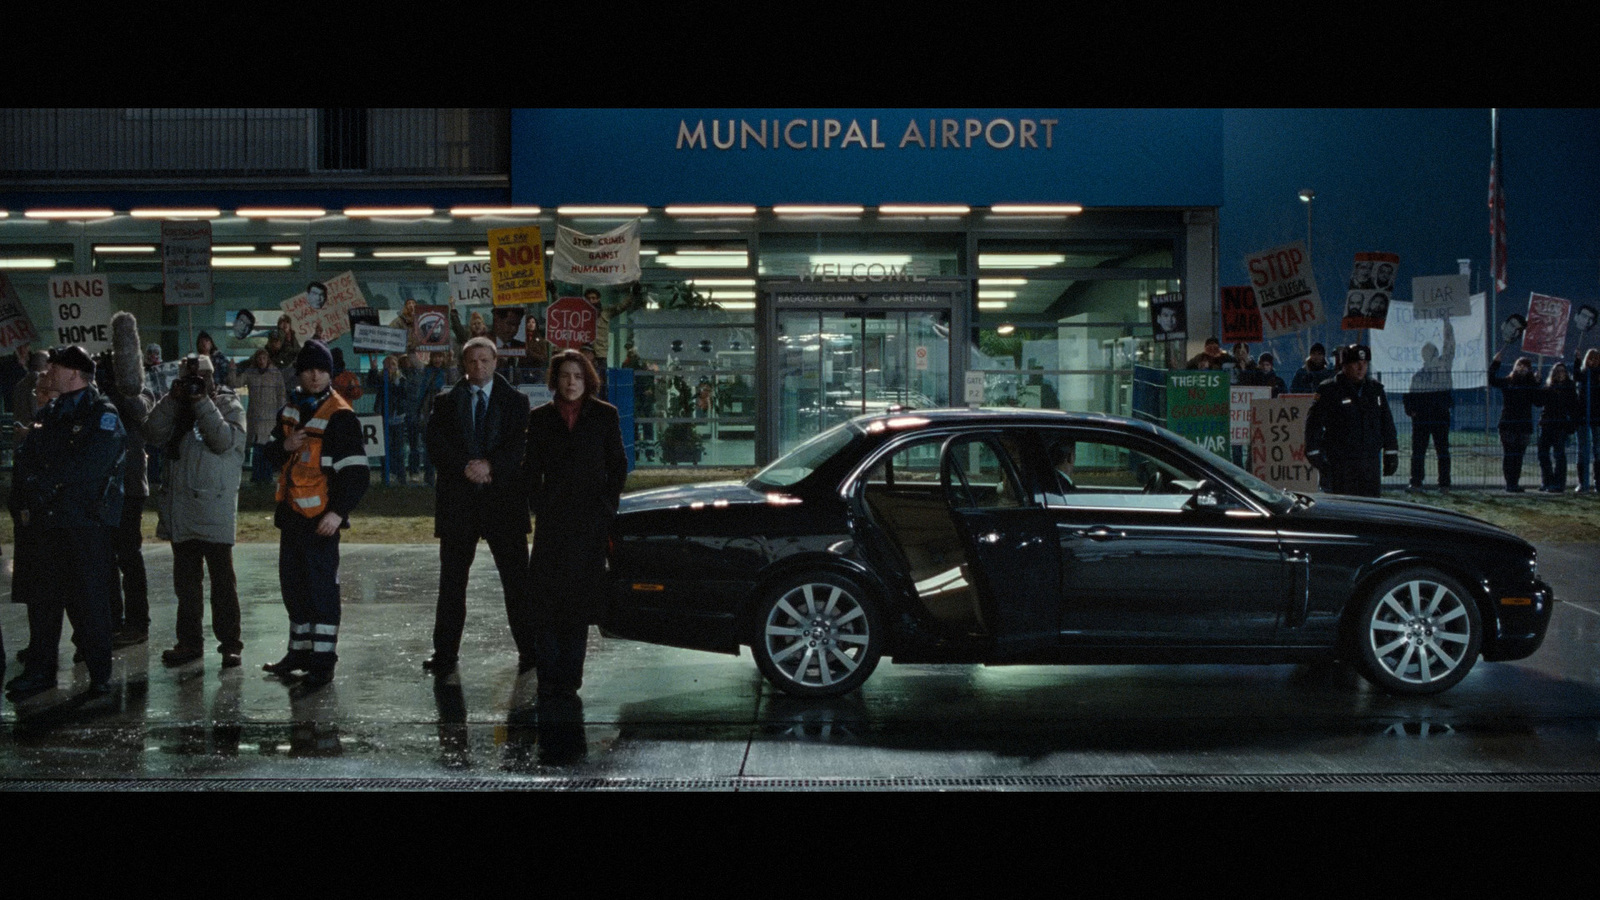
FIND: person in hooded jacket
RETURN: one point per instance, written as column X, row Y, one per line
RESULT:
column 1557, row 422
column 1314, row 372
column 1519, row 394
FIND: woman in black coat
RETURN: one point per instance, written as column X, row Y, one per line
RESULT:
column 575, row 468
column 1520, row 393
column 1556, row 424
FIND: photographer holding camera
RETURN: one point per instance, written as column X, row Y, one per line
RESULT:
column 199, row 425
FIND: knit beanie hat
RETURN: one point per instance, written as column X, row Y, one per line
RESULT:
column 313, row 355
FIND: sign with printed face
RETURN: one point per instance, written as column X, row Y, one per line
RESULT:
column 1369, row 291
column 81, row 305
column 516, row 265
column 325, row 305
column 1546, row 334
column 1286, row 289
column 1197, row 408
column 1168, row 317
column 610, row 258
column 431, row 328
column 1438, row 296
column 471, row 282
column 186, row 263
column 1241, row 317
column 1278, row 442
column 570, row 323
column 16, row 328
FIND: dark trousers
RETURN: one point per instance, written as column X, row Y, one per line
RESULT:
column 81, row 576
column 559, row 660
column 1553, row 456
column 260, row 469
column 1359, row 477
column 308, row 574
column 394, row 436
column 1514, row 441
column 1421, row 432
column 510, row 551
column 188, row 558
column 130, row 596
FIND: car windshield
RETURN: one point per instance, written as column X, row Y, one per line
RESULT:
column 794, row 466
column 1274, row 497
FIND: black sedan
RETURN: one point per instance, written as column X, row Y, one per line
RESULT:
column 1007, row 537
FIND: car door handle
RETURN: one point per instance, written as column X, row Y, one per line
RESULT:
column 1098, row 533
column 992, row 537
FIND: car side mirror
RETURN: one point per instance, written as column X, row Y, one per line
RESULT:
column 1209, row 495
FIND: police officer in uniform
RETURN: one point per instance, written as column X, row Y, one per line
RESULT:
column 1350, row 431
column 68, row 482
column 322, row 474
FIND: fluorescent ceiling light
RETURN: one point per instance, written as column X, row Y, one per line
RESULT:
column 819, row 210
column 906, row 209
column 724, row 294
column 190, row 213
column 468, row 211
column 991, row 304
column 252, row 262
column 447, row 260
column 723, row 282
column 234, row 248
column 286, row 248
column 1036, row 209
column 124, row 248
column 996, row 295
column 5, row 214
column 711, row 210
column 704, row 260
column 736, row 305
column 373, row 212
column 602, row 210
column 1005, row 329
column 69, row 214
column 410, row 254
column 1019, row 260
column 280, row 212
column 480, row 253
column 1001, row 282
column 336, row 254
column 27, row 263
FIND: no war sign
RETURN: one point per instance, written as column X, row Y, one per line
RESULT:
column 1286, row 289
column 81, row 308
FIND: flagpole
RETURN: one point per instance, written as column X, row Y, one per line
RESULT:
column 1490, row 309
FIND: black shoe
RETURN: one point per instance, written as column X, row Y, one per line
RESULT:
column 231, row 660
column 1516, row 489
column 97, row 689
column 24, row 686
column 180, row 655
column 127, row 637
column 315, row 679
column 440, row 666
column 285, row 667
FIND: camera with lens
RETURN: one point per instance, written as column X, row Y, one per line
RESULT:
column 191, row 385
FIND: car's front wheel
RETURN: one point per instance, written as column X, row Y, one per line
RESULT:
column 819, row 635
column 1419, row 632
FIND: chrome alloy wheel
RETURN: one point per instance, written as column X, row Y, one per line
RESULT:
column 1420, row 632
column 816, row 635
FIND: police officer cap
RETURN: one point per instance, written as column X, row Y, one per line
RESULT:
column 1354, row 353
column 313, row 355
column 72, row 356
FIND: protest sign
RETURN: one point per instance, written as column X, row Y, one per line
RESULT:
column 1437, row 296
column 1397, row 350
column 1278, row 442
column 326, row 306
column 1240, row 396
column 431, row 328
column 609, row 258
column 1241, row 317
column 1546, row 334
column 1286, row 289
column 372, row 435
column 1197, row 408
column 81, row 305
column 570, row 323
column 1369, row 291
column 471, row 282
column 16, row 328
column 516, row 266
column 186, row 263
column 378, row 339
column 1168, row 317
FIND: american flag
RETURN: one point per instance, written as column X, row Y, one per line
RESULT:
column 1497, row 219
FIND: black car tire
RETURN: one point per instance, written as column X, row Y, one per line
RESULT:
column 1419, row 632
column 818, row 635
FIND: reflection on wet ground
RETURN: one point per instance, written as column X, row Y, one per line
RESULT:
column 655, row 717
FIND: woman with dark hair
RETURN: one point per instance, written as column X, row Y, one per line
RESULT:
column 1519, row 394
column 1556, row 424
column 575, row 468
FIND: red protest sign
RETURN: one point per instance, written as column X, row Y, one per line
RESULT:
column 570, row 323
column 1547, row 325
column 1241, row 317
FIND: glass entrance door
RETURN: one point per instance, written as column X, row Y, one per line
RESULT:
column 837, row 364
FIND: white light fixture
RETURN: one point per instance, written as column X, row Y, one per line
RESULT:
column 723, row 282
column 233, row 248
column 708, row 210
column 1036, row 209
column 720, row 294
column 5, row 214
column 480, row 253
column 189, row 213
column 996, row 295
column 737, row 305
column 410, row 254
column 336, row 254
column 69, row 214
column 602, row 210
column 1005, row 329
column 692, row 259
column 27, row 263
column 469, row 211
column 991, row 304
column 286, row 248
column 393, row 212
column 252, row 262
column 1019, row 260
column 447, row 260
column 124, row 248
column 1001, row 282
column 929, row 209
column 1307, row 195
column 280, row 212
column 819, row 210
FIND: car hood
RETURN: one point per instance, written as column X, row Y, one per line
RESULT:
column 1398, row 514
column 681, row 496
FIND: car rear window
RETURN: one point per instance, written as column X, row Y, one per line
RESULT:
column 799, row 463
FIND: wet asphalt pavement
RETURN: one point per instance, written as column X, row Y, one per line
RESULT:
column 656, row 718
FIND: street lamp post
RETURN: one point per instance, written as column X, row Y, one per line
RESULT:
column 1306, row 196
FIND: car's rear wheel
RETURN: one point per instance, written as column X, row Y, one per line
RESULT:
column 819, row 635
column 1418, row 633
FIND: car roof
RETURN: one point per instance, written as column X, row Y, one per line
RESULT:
column 1001, row 416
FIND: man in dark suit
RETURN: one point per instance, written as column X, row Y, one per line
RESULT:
column 477, row 436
